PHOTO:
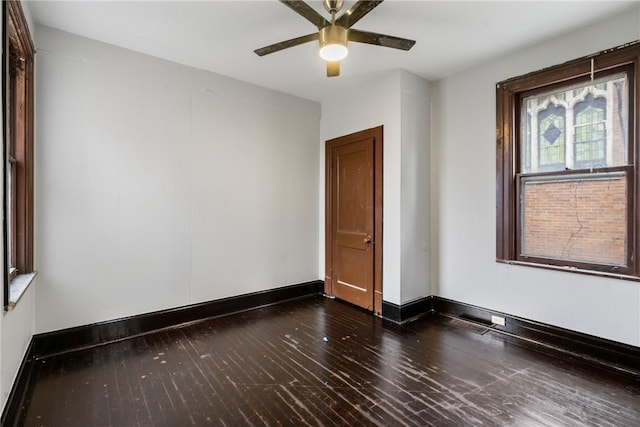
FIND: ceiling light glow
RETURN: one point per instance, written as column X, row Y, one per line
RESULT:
column 333, row 52
column 333, row 43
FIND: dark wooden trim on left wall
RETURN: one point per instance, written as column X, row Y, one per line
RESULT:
column 17, row 395
column 71, row 339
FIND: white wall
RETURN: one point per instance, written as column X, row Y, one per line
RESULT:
column 161, row 185
column 399, row 101
column 463, row 221
column 415, row 187
column 16, row 326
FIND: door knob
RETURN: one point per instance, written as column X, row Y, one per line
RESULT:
column 367, row 240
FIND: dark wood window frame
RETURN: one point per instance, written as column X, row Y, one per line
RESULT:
column 509, row 95
column 18, row 144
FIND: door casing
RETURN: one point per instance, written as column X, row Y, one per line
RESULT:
column 376, row 133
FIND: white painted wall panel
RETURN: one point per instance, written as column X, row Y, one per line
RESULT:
column 112, row 200
column 17, row 328
column 463, row 221
column 160, row 185
column 416, row 185
column 303, row 174
column 251, row 179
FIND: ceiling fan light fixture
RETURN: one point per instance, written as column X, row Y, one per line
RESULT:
column 333, row 43
column 333, row 52
column 335, row 34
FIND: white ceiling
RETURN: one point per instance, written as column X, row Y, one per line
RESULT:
column 220, row 36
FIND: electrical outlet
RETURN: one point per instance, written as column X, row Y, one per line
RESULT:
column 497, row 320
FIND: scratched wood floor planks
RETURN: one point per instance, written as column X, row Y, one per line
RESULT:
column 273, row 367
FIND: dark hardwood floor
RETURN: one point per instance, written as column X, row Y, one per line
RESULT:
column 316, row 362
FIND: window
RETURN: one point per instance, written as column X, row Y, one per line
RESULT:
column 567, row 156
column 17, row 90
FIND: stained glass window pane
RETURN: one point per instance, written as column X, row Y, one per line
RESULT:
column 581, row 126
column 551, row 138
column 590, row 133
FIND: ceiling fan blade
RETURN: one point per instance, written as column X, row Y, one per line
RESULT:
column 380, row 39
column 356, row 12
column 307, row 12
column 333, row 68
column 286, row 44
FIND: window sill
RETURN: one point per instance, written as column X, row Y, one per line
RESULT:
column 571, row 270
column 18, row 287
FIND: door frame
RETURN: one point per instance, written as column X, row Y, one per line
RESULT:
column 376, row 133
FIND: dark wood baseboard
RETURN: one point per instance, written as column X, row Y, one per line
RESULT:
column 17, row 395
column 406, row 312
column 620, row 356
column 71, row 339
column 616, row 355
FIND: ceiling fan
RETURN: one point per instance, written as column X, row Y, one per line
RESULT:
column 335, row 34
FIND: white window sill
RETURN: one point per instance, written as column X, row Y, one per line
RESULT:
column 18, row 287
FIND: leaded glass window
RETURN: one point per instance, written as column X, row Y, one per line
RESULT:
column 579, row 127
column 590, row 133
column 551, row 138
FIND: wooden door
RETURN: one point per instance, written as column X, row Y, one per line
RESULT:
column 354, row 218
